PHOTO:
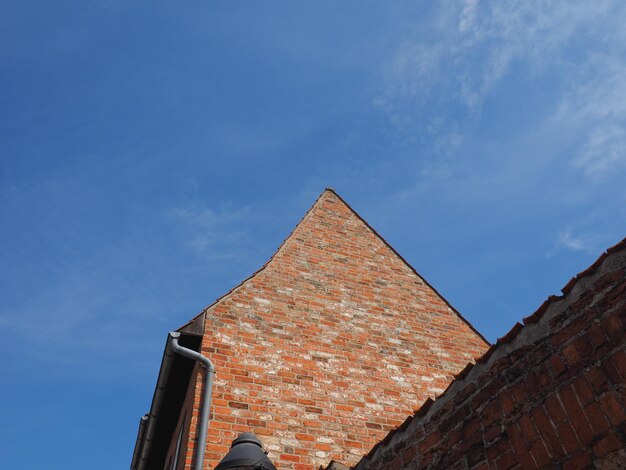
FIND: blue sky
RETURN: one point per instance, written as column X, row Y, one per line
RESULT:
column 154, row 154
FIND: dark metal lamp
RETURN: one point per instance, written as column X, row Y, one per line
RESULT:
column 246, row 453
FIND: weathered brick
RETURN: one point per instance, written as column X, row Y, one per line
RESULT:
column 475, row 455
column 305, row 347
column 576, row 415
column 522, row 451
column 568, row 438
column 583, row 390
column 610, row 371
column 597, row 380
column 558, row 366
column 540, row 454
column 609, row 443
column 498, row 448
column 619, row 362
column 580, row 461
column 528, row 429
column 613, row 410
column 612, row 326
column 596, row 418
column 596, row 336
column 546, row 431
column 554, row 409
column 506, row 461
column 289, row 357
column 607, row 280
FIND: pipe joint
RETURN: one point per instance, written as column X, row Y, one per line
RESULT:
column 203, row 424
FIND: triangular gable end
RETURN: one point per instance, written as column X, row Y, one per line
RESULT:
column 334, row 331
column 328, row 197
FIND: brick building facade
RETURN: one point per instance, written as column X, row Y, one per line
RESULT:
column 320, row 353
column 549, row 394
column 325, row 351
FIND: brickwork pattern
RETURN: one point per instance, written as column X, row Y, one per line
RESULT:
column 328, row 346
column 551, row 394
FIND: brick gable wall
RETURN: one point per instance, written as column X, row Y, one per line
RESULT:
column 328, row 346
column 551, row 394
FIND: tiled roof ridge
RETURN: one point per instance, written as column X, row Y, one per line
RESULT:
column 506, row 339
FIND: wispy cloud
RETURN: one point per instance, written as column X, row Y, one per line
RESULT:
column 473, row 45
column 212, row 233
column 439, row 80
column 604, row 150
column 84, row 316
column 573, row 242
column 595, row 109
column 587, row 237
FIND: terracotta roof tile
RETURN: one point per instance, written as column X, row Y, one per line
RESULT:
column 510, row 336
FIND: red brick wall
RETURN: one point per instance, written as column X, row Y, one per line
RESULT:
column 329, row 345
column 549, row 395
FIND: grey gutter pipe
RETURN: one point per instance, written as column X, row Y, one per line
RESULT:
column 155, row 411
column 139, row 443
column 203, row 424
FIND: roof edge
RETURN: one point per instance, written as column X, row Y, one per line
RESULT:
column 261, row 269
column 508, row 338
column 150, row 421
column 450, row 306
column 378, row 235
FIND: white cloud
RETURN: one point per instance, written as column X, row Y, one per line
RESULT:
column 590, row 233
column 604, row 150
column 596, row 110
column 473, row 45
column 438, row 81
column 213, row 233
column 568, row 240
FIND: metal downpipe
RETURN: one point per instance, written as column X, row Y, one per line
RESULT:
column 141, row 433
column 155, row 410
column 206, row 399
